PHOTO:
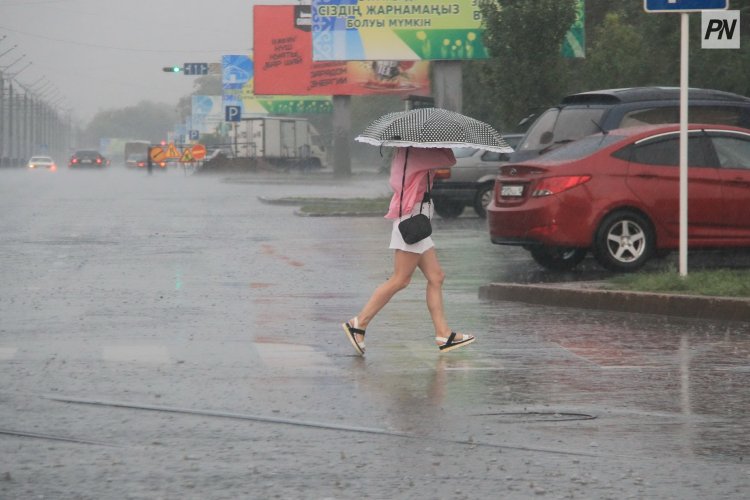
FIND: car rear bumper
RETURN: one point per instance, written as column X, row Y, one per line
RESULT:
column 538, row 222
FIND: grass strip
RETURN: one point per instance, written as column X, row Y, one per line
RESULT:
column 335, row 206
column 714, row 283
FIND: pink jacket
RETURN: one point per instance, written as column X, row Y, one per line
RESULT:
column 421, row 160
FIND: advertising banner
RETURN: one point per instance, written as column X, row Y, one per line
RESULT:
column 284, row 64
column 372, row 30
column 238, row 83
column 574, row 44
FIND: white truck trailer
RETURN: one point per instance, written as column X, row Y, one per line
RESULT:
column 280, row 142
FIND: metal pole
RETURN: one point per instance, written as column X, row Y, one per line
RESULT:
column 10, row 123
column 2, row 119
column 342, row 125
column 684, row 65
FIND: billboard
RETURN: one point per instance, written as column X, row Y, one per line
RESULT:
column 284, row 63
column 406, row 31
column 238, row 81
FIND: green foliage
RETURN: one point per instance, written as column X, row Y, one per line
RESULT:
column 527, row 69
column 146, row 120
column 719, row 283
column 625, row 47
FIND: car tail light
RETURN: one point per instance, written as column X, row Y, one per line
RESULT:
column 98, row 160
column 74, row 160
column 555, row 185
column 443, row 173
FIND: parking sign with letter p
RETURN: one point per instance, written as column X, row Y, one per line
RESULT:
column 720, row 29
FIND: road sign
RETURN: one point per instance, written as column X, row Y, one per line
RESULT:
column 232, row 113
column 198, row 151
column 195, row 68
column 157, row 154
column 173, row 152
column 195, row 135
column 684, row 5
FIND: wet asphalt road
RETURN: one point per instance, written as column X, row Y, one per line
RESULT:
column 173, row 337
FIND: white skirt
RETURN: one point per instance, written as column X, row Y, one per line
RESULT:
column 397, row 241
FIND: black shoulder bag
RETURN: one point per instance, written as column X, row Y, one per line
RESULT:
column 417, row 227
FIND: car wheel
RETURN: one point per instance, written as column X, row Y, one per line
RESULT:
column 483, row 198
column 448, row 209
column 557, row 258
column 624, row 241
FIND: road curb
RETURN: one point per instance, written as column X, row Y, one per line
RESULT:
column 591, row 297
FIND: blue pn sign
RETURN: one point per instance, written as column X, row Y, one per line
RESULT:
column 684, row 5
column 232, row 113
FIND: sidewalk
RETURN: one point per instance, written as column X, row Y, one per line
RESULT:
column 594, row 295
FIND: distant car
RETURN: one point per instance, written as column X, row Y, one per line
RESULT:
column 136, row 160
column 140, row 160
column 87, row 158
column 42, row 162
column 617, row 194
column 470, row 181
column 585, row 113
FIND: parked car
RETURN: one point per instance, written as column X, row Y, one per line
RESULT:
column 617, row 194
column 42, row 162
column 579, row 115
column 87, row 158
column 470, row 181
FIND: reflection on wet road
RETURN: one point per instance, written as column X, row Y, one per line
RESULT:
column 210, row 321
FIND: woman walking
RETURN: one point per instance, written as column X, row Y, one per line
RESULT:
column 410, row 176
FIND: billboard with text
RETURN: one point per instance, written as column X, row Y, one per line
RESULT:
column 284, row 63
column 406, row 31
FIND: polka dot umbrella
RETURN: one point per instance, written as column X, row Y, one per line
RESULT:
column 433, row 128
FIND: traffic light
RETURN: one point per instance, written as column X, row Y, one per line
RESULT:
column 171, row 69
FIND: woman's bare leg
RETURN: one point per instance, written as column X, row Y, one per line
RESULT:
column 430, row 267
column 433, row 272
column 404, row 264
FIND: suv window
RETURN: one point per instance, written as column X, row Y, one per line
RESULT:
column 463, row 152
column 557, row 126
column 725, row 115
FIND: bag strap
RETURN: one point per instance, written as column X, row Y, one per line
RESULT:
column 403, row 181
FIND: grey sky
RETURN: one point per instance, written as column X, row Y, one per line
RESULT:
column 104, row 54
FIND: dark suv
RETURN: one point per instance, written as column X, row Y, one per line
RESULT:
column 87, row 158
column 579, row 115
column 470, row 181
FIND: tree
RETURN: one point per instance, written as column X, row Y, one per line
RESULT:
column 527, row 70
column 146, row 120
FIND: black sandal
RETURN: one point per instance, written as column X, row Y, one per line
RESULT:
column 449, row 344
column 352, row 328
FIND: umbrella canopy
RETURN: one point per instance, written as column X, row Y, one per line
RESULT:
column 433, row 128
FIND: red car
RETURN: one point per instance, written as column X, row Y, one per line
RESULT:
column 617, row 194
